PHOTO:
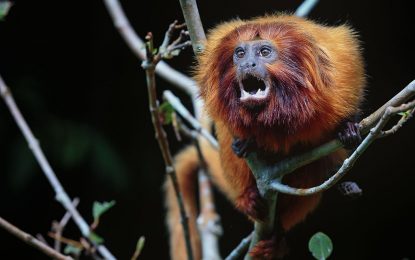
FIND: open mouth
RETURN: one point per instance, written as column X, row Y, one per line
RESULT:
column 253, row 89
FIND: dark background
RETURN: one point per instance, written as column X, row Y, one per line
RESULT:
column 83, row 93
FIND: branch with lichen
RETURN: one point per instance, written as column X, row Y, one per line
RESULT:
column 60, row 194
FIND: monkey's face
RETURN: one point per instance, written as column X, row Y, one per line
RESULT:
column 254, row 82
column 264, row 77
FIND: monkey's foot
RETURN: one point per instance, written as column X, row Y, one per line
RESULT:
column 252, row 204
column 241, row 147
column 270, row 249
column 350, row 135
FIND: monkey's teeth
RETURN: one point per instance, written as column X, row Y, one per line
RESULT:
column 258, row 95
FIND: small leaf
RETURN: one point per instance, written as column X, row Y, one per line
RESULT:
column 155, row 51
column 95, row 238
column 405, row 114
column 100, row 208
column 72, row 250
column 320, row 246
column 4, row 8
column 139, row 248
column 167, row 111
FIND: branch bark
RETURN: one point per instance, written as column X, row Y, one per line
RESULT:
column 30, row 240
column 60, row 194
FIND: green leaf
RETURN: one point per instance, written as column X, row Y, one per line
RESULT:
column 95, row 238
column 100, row 208
column 72, row 250
column 167, row 111
column 320, row 246
column 139, row 247
column 405, row 114
column 4, row 8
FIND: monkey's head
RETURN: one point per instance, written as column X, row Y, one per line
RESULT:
column 266, row 75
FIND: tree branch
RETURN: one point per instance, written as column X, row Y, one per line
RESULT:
column 60, row 194
column 30, row 240
column 137, row 46
column 149, row 66
column 58, row 227
column 181, row 109
column 240, row 249
column 194, row 25
column 305, row 8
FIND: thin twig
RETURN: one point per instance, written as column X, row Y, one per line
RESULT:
column 149, row 67
column 60, row 194
column 30, row 240
column 349, row 162
column 181, row 109
column 407, row 115
column 58, row 227
column 305, row 8
column 137, row 46
column 241, row 249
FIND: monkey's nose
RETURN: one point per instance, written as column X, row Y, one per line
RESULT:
column 248, row 65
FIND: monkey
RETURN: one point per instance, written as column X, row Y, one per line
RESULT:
column 279, row 85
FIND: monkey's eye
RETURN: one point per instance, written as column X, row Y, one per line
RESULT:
column 265, row 51
column 240, row 53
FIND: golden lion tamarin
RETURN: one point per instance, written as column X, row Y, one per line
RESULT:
column 279, row 84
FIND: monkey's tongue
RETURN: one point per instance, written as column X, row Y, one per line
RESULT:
column 253, row 88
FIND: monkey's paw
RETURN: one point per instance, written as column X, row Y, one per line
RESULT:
column 270, row 249
column 350, row 135
column 252, row 204
column 241, row 147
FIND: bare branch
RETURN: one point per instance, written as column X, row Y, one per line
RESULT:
column 58, row 227
column 194, row 25
column 149, row 66
column 30, row 240
column 240, row 249
column 403, row 96
column 60, row 194
column 137, row 46
column 181, row 109
column 349, row 162
column 305, row 8
column 404, row 118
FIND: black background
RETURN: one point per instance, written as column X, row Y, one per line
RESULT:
column 67, row 65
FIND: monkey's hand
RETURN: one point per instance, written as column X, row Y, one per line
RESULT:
column 349, row 135
column 252, row 204
column 242, row 147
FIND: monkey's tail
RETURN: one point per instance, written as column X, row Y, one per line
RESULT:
column 187, row 165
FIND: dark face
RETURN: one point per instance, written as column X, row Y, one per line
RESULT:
column 250, row 59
